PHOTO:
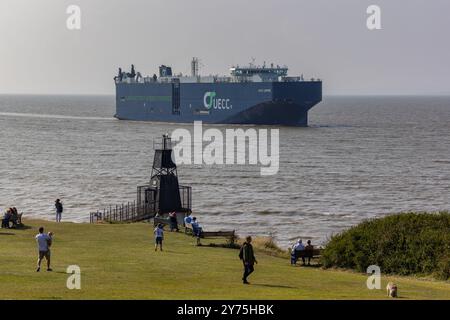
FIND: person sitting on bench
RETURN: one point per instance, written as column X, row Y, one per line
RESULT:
column 298, row 251
column 14, row 217
column 188, row 219
column 196, row 228
column 6, row 219
column 309, row 251
column 293, row 255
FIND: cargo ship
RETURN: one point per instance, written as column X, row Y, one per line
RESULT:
column 260, row 95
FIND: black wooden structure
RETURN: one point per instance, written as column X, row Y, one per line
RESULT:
column 163, row 194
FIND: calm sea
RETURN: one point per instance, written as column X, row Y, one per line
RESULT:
column 361, row 157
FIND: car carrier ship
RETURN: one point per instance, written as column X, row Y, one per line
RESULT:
column 263, row 95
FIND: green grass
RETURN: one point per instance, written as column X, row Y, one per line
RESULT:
column 118, row 262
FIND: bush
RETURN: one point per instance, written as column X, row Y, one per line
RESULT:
column 404, row 243
column 267, row 246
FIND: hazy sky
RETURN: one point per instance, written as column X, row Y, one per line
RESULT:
column 319, row 38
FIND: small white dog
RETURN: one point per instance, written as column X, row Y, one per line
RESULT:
column 391, row 290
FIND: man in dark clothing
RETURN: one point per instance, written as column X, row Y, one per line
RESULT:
column 173, row 221
column 59, row 210
column 14, row 217
column 248, row 258
column 309, row 250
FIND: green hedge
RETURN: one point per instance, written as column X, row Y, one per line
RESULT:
column 405, row 243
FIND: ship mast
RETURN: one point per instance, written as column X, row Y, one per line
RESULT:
column 194, row 66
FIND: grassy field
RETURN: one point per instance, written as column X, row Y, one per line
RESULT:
column 119, row 262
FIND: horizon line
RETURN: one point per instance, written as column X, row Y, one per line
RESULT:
column 325, row 95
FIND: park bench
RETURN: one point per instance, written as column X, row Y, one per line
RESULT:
column 313, row 254
column 230, row 235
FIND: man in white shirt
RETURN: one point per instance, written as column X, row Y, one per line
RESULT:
column 44, row 242
column 297, row 251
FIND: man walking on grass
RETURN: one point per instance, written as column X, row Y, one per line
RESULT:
column 44, row 242
column 248, row 258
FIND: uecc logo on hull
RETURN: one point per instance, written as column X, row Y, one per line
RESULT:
column 211, row 102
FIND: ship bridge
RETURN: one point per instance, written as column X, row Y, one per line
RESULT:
column 265, row 73
column 251, row 73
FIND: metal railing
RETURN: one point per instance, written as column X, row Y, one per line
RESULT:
column 130, row 212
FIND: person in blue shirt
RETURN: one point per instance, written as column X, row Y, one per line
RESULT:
column 188, row 219
column 196, row 228
column 159, row 236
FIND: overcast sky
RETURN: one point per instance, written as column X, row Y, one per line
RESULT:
column 321, row 38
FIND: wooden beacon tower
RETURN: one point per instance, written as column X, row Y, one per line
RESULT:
column 161, row 195
column 164, row 194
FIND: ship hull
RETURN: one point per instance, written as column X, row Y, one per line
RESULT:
column 261, row 103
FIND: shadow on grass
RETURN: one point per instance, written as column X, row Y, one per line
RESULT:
column 314, row 266
column 218, row 245
column 274, row 286
column 21, row 227
column 169, row 251
column 6, row 234
column 61, row 272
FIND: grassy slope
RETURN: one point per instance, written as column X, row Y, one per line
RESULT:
column 118, row 262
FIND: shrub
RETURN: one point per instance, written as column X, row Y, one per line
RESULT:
column 267, row 245
column 405, row 243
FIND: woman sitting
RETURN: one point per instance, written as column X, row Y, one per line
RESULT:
column 14, row 217
column 6, row 218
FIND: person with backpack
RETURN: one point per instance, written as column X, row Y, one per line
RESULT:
column 247, row 256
